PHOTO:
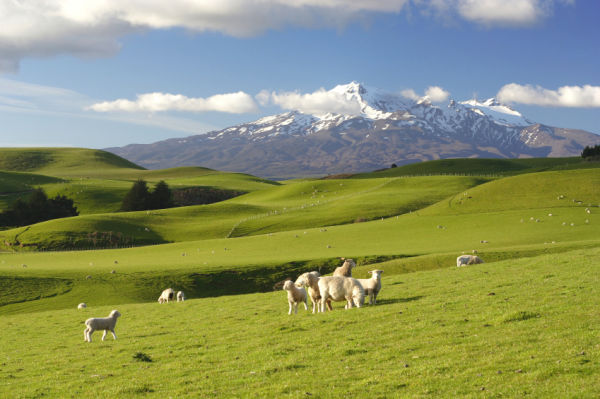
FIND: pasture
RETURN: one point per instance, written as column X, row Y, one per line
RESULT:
column 522, row 324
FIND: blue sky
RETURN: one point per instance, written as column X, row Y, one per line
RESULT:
column 71, row 71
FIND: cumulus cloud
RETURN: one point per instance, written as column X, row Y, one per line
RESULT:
column 586, row 96
column 433, row 93
column 318, row 102
column 235, row 103
column 92, row 28
column 436, row 94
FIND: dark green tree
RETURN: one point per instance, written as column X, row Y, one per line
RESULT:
column 161, row 197
column 590, row 151
column 138, row 197
column 61, row 207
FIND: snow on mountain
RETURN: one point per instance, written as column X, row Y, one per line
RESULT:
column 386, row 128
column 470, row 118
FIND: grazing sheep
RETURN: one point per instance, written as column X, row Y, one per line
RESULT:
column 166, row 295
column 310, row 280
column 82, row 305
column 338, row 288
column 180, row 296
column 345, row 270
column 372, row 285
column 101, row 323
column 465, row 260
column 295, row 295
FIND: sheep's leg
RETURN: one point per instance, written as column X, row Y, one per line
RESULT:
column 290, row 311
column 104, row 334
column 90, row 331
column 113, row 333
column 329, row 305
column 296, row 304
column 305, row 304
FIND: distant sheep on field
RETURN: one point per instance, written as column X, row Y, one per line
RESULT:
column 82, row 305
column 295, row 296
column 465, row 260
column 101, row 323
column 338, row 288
column 180, row 296
column 345, row 270
column 372, row 285
column 166, row 296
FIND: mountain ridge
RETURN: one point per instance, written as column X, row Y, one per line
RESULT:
column 380, row 129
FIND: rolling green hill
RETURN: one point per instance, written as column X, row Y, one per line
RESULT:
column 483, row 167
column 522, row 324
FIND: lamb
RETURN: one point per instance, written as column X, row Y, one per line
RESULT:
column 180, row 296
column 101, row 323
column 310, row 280
column 338, row 288
column 166, row 295
column 82, row 305
column 372, row 285
column 345, row 270
column 465, row 260
column 295, row 295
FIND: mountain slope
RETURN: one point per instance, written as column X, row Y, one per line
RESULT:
column 381, row 129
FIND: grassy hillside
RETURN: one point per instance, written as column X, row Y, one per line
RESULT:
column 483, row 167
column 275, row 208
column 515, row 328
column 62, row 161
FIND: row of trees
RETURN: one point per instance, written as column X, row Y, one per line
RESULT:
column 139, row 197
column 37, row 208
column 590, row 151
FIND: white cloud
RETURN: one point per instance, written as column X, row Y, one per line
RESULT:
column 92, row 28
column 586, row 96
column 410, row 93
column 503, row 12
column 433, row 93
column 492, row 13
column 318, row 102
column 436, row 94
column 234, row 103
column 18, row 97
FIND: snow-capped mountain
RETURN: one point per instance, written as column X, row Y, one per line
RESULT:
column 382, row 128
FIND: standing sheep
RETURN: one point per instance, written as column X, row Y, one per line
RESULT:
column 345, row 270
column 465, row 260
column 180, row 296
column 310, row 280
column 372, row 285
column 337, row 288
column 101, row 323
column 295, row 295
column 166, row 295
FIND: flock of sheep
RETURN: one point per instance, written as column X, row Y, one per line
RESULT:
column 338, row 287
column 341, row 286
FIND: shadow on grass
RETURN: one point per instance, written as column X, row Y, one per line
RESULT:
column 389, row 301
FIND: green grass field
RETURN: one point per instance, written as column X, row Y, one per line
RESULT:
column 523, row 324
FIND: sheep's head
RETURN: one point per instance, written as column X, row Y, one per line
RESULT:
column 302, row 279
column 376, row 273
column 349, row 263
column 288, row 285
column 115, row 313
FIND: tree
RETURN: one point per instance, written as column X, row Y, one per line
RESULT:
column 61, row 207
column 37, row 208
column 138, row 197
column 161, row 197
column 590, row 151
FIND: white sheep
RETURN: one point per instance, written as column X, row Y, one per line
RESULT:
column 465, row 260
column 295, row 295
column 310, row 280
column 338, row 288
column 82, row 305
column 372, row 285
column 166, row 295
column 101, row 323
column 345, row 270
column 180, row 296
